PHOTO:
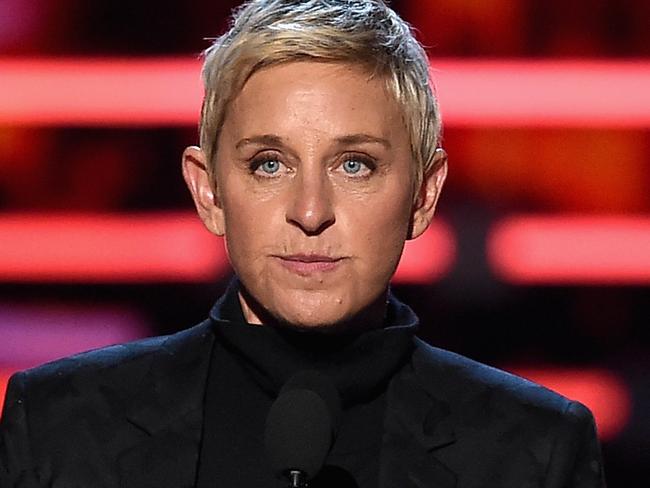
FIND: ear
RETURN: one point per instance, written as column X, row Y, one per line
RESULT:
column 197, row 178
column 428, row 193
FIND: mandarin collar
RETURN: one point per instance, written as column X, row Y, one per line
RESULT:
column 359, row 364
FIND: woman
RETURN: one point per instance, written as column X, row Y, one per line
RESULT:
column 319, row 156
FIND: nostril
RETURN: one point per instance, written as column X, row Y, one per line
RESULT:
column 311, row 210
column 313, row 225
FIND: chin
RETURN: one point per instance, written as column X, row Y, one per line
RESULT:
column 327, row 313
column 336, row 309
column 312, row 317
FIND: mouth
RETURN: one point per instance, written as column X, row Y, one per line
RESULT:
column 307, row 264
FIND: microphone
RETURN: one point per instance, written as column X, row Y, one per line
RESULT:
column 301, row 427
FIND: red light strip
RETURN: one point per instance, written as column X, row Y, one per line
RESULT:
column 4, row 379
column 155, row 247
column 108, row 248
column 602, row 391
column 571, row 250
column 544, row 93
column 125, row 92
column 175, row 247
column 427, row 258
column 167, row 91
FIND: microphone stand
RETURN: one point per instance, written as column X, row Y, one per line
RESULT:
column 297, row 479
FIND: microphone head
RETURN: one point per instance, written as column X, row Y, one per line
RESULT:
column 302, row 424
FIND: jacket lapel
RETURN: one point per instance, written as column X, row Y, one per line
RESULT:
column 166, row 416
column 167, row 412
column 417, row 425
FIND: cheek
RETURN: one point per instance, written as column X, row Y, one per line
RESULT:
column 245, row 222
column 248, row 229
column 254, row 228
column 379, row 230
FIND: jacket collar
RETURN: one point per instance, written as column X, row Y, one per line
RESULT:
column 175, row 379
column 167, row 413
column 418, row 425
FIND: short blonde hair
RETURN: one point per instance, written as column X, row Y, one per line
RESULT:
column 362, row 32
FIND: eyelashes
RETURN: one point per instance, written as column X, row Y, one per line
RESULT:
column 267, row 166
column 351, row 165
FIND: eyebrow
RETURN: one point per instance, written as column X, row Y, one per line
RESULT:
column 353, row 139
column 348, row 140
column 266, row 139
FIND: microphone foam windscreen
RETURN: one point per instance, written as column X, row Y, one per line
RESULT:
column 301, row 424
column 321, row 385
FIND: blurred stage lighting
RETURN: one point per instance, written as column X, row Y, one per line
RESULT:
column 168, row 92
column 157, row 247
column 571, row 250
column 108, row 248
column 601, row 390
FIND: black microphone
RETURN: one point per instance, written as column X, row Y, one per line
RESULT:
column 301, row 427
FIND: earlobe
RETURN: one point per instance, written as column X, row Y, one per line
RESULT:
column 198, row 180
column 428, row 194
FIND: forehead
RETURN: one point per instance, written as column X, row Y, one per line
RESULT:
column 332, row 98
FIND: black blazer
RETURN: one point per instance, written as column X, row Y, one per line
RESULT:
column 131, row 416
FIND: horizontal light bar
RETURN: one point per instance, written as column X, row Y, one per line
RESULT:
column 167, row 92
column 36, row 333
column 427, row 258
column 571, row 250
column 544, row 93
column 108, row 248
column 601, row 390
column 100, row 92
column 174, row 247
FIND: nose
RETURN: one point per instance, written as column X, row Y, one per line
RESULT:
column 311, row 208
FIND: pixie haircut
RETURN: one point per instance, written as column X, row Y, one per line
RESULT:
column 366, row 33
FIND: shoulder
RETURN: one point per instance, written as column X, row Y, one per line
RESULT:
column 84, row 403
column 486, row 414
column 118, row 367
column 466, row 382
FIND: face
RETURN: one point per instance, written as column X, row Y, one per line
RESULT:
column 314, row 193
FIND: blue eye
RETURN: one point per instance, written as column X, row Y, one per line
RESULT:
column 271, row 166
column 358, row 166
column 268, row 166
column 352, row 166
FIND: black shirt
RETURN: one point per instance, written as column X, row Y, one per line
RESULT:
column 250, row 364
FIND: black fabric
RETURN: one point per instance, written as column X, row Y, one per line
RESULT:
column 249, row 366
column 131, row 416
column 359, row 364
